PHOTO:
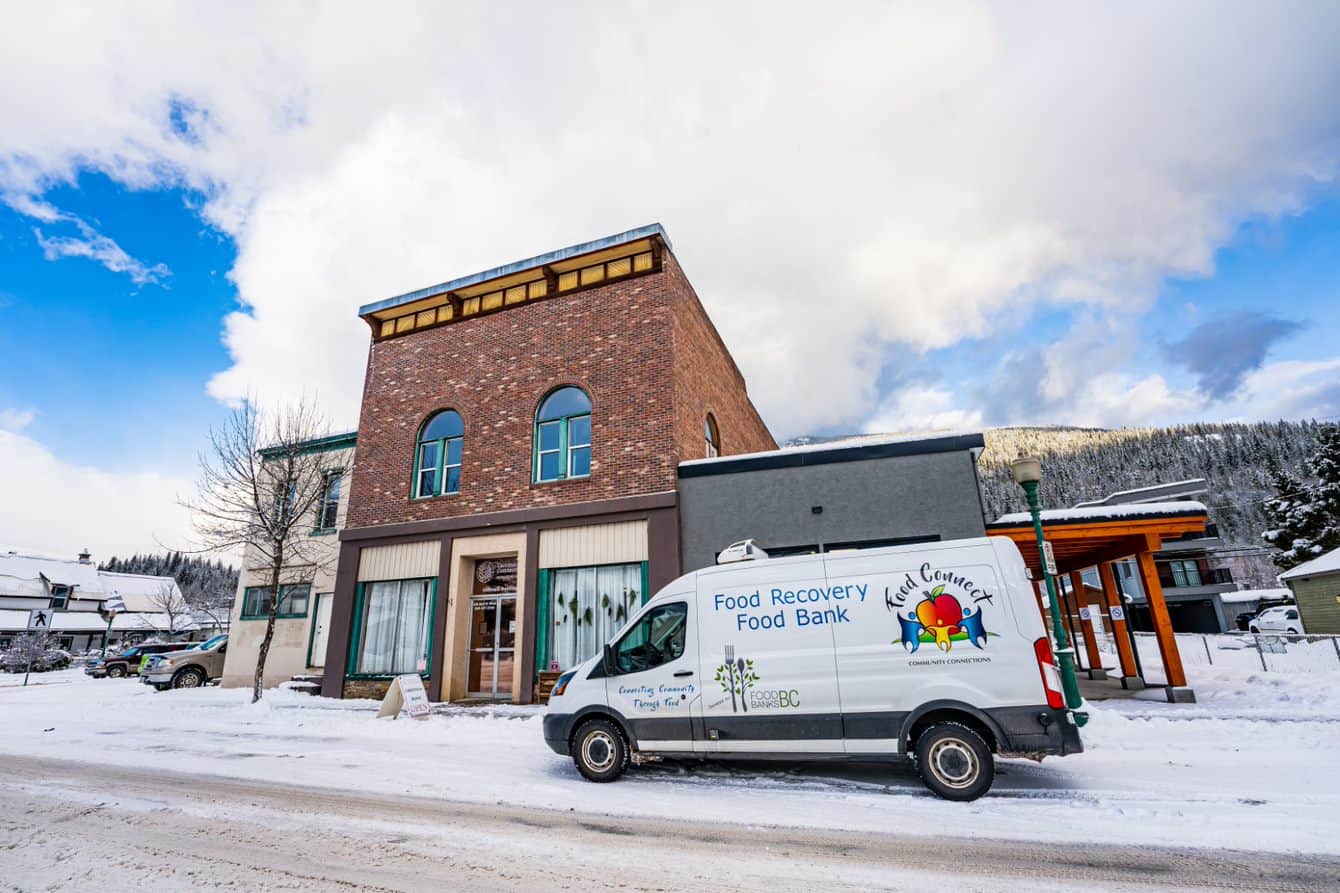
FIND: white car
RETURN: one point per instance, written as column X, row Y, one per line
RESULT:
column 1280, row 619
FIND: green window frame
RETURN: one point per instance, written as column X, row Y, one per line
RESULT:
column 359, row 635
column 562, row 436
column 328, row 509
column 293, row 601
column 547, row 620
column 438, row 454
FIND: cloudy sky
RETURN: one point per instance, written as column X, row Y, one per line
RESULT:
column 900, row 217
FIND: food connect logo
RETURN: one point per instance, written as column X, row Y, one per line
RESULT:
column 939, row 618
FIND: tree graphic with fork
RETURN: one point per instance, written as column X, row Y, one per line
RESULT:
column 736, row 676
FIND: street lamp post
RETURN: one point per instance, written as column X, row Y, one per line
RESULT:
column 1027, row 473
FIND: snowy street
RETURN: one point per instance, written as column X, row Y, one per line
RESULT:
column 327, row 792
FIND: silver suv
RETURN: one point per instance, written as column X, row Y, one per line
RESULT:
column 192, row 668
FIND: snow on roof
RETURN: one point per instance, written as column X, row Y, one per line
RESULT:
column 1326, row 564
column 1109, row 512
column 1152, row 493
column 58, row 570
column 21, row 575
column 1254, row 595
column 839, row 443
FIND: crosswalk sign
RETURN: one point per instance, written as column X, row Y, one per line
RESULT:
column 39, row 620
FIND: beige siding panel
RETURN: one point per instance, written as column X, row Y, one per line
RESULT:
column 402, row 561
column 618, row 543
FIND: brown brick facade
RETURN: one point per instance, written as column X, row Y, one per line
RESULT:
column 643, row 349
column 707, row 380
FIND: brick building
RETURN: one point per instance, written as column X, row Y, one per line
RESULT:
column 514, row 486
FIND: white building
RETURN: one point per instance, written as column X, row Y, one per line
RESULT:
column 78, row 592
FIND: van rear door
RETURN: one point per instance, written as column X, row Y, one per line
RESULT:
column 766, row 658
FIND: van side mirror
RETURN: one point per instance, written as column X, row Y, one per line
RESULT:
column 611, row 665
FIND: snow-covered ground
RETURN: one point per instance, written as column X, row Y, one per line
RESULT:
column 1252, row 765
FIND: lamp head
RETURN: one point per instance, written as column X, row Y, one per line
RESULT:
column 1026, row 470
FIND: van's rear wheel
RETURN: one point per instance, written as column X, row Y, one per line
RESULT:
column 599, row 751
column 954, row 761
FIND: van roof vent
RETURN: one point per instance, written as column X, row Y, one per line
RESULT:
column 744, row 550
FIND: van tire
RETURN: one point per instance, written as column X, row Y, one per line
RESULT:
column 600, row 751
column 954, row 762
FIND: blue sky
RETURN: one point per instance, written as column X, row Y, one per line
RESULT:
column 899, row 218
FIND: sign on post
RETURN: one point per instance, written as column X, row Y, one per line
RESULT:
column 406, row 693
column 39, row 620
column 1084, row 613
column 1117, row 612
column 1048, row 557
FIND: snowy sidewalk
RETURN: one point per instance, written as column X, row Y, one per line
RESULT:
column 1251, row 766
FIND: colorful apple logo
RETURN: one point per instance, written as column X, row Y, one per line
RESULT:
column 940, row 614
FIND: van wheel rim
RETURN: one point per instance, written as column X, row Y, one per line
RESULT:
column 954, row 763
column 598, row 751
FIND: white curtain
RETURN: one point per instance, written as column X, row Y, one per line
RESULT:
column 395, row 626
column 590, row 604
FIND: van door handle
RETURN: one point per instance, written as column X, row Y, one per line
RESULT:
column 684, row 673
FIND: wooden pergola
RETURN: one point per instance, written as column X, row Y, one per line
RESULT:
column 1097, row 537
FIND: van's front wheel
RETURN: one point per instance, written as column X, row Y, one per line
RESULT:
column 599, row 750
column 954, row 761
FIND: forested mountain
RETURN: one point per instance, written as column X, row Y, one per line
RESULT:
column 1081, row 464
column 195, row 575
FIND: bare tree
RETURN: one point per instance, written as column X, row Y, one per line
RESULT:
column 260, row 486
column 210, row 602
column 168, row 600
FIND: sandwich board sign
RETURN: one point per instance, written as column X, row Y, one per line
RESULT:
column 39, row 620
column 406, row 693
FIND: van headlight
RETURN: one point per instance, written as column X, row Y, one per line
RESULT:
column 562, row 683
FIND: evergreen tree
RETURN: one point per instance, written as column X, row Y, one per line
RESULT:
column 1305, row 518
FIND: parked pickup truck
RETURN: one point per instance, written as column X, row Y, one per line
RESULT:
column 126, row 662
column 193, row 668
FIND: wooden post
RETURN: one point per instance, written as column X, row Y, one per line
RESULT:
column 1090, row 640
column 1158, row 613
column 1120, row 632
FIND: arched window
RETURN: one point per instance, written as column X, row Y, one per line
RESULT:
column 563, row 436
column 437, row 458
column 712, row 437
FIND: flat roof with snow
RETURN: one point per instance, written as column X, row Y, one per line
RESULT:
column 847, row 449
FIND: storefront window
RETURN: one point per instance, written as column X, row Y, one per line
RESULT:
column 588, row 605
column 394, row 629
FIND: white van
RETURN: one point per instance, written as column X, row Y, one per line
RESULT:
column 935, row 651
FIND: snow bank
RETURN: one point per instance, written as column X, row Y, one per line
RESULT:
column 1153, row 773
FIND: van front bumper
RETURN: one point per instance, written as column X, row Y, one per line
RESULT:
column 557, row 732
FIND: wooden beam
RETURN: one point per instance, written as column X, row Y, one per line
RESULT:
column 1085, row 624
column 1125, row 549
column 1120, row 632
column 1158, row 613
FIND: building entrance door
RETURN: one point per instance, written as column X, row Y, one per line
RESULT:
column 492, row 646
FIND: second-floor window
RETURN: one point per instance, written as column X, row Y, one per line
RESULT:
column 60, row 595
column 563, row 436
column 712, row 437
column 328, row 509
column 437, row 460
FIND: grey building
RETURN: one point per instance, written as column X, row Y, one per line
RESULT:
column 849, row 493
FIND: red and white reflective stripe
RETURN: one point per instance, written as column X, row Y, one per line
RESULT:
column 1051, row 677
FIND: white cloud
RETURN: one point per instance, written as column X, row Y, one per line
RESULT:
column 922, row 408
column 55, row 507
column 16, row 419
column 843, row 188
column 89, row 244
